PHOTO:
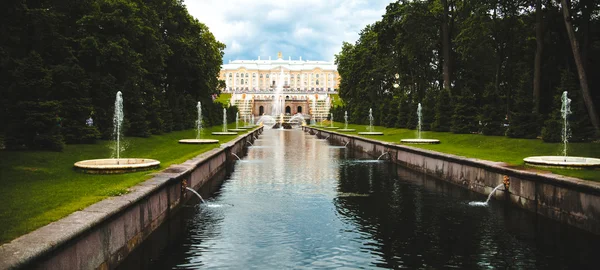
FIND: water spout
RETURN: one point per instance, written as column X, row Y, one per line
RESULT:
column 370, row 128
column 419, row 108
column 346, row 119
column 193, row 191
column 118, row 124
column 236, row 156
column 346, row 143
column 385, row 153
column 250, row 143
column 224, row 120
column 488, row 198
column 237, row 120
column 199, row 121
column 331, row 120
column 565, row 111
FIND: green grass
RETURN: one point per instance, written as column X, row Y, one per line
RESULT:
column 493, row 148
column 336, row 100
column 224, row 98
column 41, row 187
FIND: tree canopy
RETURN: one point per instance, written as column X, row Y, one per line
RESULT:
column 491, row 67
column 62, row 63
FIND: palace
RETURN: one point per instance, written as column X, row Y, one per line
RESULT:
column 302, row 86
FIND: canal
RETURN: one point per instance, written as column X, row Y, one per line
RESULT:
column 295, row 201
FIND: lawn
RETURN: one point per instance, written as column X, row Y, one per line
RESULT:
column 224, row 98
column 493, row 148
column 41, row 187
column 336, row 100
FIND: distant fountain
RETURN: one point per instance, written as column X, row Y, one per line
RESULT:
column 488, row 198
column 297, row 119
column 563, row 161
column 419, row 125
column 199, row 121
column 331, row 123
column 224, row 128
column 277, row 107
column 118, row 124
column 118, row 164
column 198, row 139
column 370, row 128
column 237, row 123
column 346, row 129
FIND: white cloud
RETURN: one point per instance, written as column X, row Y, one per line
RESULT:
column 313, row 29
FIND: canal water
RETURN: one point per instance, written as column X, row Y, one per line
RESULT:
column 297, row 202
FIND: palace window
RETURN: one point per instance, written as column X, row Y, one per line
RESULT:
column 246, row 75
column 237, row 75
column 261, row 76
column 230, row 75
column 267, row 76
column 253, row 75
column 317, row 81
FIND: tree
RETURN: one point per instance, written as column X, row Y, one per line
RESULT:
column 587, row 98
column 537, row 67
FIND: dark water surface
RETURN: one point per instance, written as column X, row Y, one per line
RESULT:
column 295, row 202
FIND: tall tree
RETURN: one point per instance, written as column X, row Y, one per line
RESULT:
column 587, row 98
column 446, row 45
column 539, row 40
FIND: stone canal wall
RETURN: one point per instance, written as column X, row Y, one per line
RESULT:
column 566, row 199
column 103, row 234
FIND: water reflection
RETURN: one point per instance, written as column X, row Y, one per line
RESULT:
column 306, row 205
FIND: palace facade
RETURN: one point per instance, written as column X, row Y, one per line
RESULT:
column 264, row 75
column 305, row 86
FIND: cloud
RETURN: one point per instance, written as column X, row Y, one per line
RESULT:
column 312, row 29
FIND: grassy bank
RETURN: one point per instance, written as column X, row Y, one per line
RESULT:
column 493, row 148
column 42, row 187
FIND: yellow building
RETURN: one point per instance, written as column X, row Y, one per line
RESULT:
column 264, row 75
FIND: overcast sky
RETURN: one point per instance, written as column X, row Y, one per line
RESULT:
column 313, row 29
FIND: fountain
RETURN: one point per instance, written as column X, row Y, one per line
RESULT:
column 297, row 119
column 237, row 124
column 197, row 194
column 346, row 129
column 117, row 164
column 563, row 161
column 418, row 140
column 488, row 198
column 267, row 121
column 370, row 128
column 198, row 139
column 331, row 123
column 224, row 132
column 384, row 153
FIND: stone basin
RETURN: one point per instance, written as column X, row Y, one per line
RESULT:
column 347, row 130
column 370, row 133
column 237, row 129
column 224, row 133
column 562, row 161
column 198, row 141
column 420, row 141
column 113, row 165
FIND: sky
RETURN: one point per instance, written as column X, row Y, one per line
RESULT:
column 311, row 29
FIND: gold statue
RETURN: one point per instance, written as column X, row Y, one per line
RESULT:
column 279, row 55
